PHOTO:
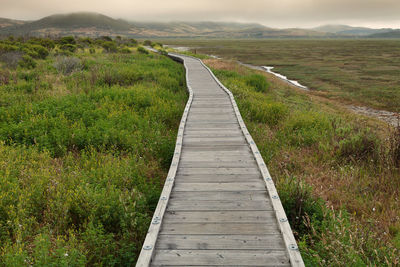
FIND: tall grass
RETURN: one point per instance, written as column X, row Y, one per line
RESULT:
column 83, row 156
column 336, row 174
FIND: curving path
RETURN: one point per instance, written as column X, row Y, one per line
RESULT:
column 219, row 205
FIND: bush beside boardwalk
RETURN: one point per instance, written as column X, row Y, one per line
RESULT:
column 337, row 177
column 87, row 133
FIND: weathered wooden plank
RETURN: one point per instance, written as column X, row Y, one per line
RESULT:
column 219, row 211
column 196, row 105
column 252, row 186
column 223, row 196
column 189, row 171
column 220, row 257
column 211, row 158
column 241, row 265
column 218, row 164
column 204, row 159
column 213, row 143
column 207, row 205
column 197, row 156
column 241, row 148
column 207, row 178
column 215, row 139
column 214, row 109
column 203, row 116
column 219, row 217
column 219, row 228
column 217, row 153
column 207, row 242
column 202, row 111
column 211, row 123
column 213, row 133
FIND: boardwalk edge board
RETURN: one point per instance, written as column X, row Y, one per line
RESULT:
column 288, row 237
column 149, row 244
column 155, row 225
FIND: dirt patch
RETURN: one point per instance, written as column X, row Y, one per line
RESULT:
column 390, row 117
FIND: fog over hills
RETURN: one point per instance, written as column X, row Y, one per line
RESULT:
column 349, row 30
column 94, row 24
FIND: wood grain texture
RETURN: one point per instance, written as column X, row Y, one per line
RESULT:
column 220, row 257
column 207, row 242
column 220, row 206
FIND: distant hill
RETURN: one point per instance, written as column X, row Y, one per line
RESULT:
column 389, row 34
column 80, row 20
column 349, row 30
column 76, row 23
column 10, row 22
column 94, row 24
column 218, row 30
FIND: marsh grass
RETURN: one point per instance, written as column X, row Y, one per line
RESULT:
column 84, row 152
column 334, row 171
column 358, row 72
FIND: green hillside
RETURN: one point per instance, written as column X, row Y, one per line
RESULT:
column 93, row 24
column 390, row 34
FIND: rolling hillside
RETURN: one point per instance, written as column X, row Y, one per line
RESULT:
column 349, row 30
column 94, row 24
column 76, row 23
column 4, row 23
column 389, row 34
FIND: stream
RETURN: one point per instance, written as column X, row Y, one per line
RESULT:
column 391, row 118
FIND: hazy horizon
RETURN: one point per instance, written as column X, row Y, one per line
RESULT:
column 275, row 13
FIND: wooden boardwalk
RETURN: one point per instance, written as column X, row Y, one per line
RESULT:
column 219, row 205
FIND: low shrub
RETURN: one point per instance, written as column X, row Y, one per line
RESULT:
column 47, row 42
column 11, row 59
column 133, row 42
column 299, row 203
column 394, row 149
column 109, row 46
column 27, row 62
column 5, row 76
column 67, row 65
column 40, row 51
column 163, row 52
column 258, row 82
column 68, row 47
column 306, row 128
column 7, row 48
column 270, row 113
column 125, row 50
column 67, row 40
column 142, row 50
column 362, row 146
column 147, row 43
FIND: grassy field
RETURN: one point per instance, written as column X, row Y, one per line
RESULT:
column 337, row 174
column 360, row 72
column 87, row 132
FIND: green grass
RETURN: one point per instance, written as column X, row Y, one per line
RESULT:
column 363, row 72
column 87, row 133
column 325, row 163
column 83, row 156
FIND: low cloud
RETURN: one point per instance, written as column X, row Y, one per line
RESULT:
column 276, row 13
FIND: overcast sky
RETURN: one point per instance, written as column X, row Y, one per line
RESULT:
column 273, row 13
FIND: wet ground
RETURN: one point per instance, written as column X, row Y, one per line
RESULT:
column 386, row 116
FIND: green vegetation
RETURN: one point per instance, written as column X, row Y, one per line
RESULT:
column 361, row 72
column 337, row 175
column 86, row 139
column 87, row 133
